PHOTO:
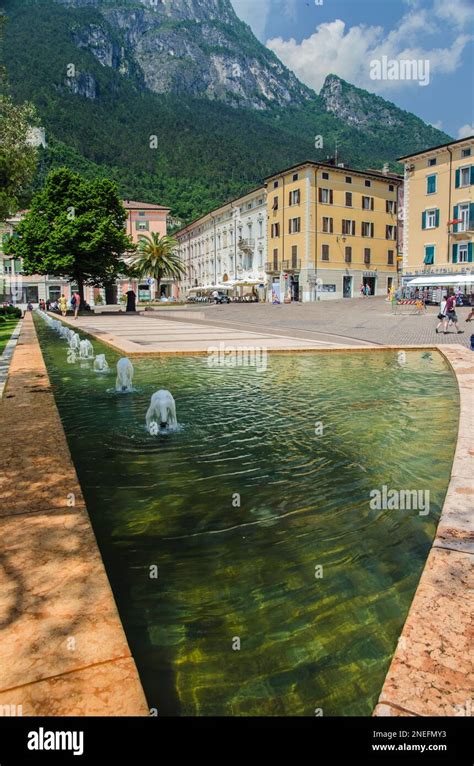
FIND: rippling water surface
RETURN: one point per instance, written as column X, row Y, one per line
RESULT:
column 241, row 508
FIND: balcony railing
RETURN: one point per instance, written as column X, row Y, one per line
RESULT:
column 247, row 245
column 294, row 264
column 272, row 267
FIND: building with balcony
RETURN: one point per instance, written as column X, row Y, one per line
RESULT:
column 226, row 249
column 439, row 214
column 331, row 229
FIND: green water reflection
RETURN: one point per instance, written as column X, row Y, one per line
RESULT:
column 247, row 569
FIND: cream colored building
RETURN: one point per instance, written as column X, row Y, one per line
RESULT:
column 227, row 248
column 331, row 229
column 439, row 212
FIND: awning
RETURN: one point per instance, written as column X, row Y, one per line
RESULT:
column 451, row 279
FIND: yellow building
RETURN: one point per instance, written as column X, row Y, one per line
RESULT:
column 331, row 229
column 439, row 214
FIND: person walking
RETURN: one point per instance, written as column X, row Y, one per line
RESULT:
column 63, row 305
column 451, row 316
column 75, row 303
column 442, row 312
column 367, row 290
column 362, row 290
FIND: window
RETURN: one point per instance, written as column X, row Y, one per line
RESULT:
column 295, row 197
column 348, row 227
column 462, row 212
column 249, row 205
column 465, row 153
column 391, row 187
column 348, row 199
column 390, row 206
column 432, row 161
column 368, row 183
column 390, row 232
column 141, row 212
column 295, row 177
column 390, row 257
column 325, row 253
column 294, row 225
column 348, row 180
column 367, row 256
column 275, row 229
column 464, row 176
column 294, row 256
column 141, row 225
column 367, row 229
column 431, row 184
column 326, row 176
column 328, row 225
column 430, row 219
column 367, row 203
column 348, row 255
column 275, row 203
column 429, row 255
column 463, row 253
column 275, row 184
column 326, row 196
column 275, row 259
column 260, row 229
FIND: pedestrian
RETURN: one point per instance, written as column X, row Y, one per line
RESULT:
column 215, row 295
column 451, row 316
column 367, row 290
column 63, row 305
column 362, row 290
column 442, row 312
column 75, row 303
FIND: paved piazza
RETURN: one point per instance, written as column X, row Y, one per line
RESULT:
column 329, row 324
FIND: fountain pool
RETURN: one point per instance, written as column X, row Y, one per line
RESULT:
column 251, row 572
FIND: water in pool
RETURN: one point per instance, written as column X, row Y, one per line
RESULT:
column 279, row 589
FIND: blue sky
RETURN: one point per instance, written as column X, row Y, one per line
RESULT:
column 316, row 37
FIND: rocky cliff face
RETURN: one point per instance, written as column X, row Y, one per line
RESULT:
column 357, row 107
column 196, row 47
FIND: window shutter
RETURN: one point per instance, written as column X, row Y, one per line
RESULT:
column 455, row 215
column 458, row 178
column 331, row 225
column 331, row 196
column 469, row 252
column 371, row 203
column 471, row 216
column 320, row 195
column 437, row 218
column 455, row 253
column 423, row 220
column 472, row 175
column 371, row 229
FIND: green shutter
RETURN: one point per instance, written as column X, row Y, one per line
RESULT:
column 429, row 255
column 455, row 215
column 458, row 178
column 423, row 220
column 471, row 216
column 455, row 253
column 469, row 252
column 437, row 218
column 472, row 175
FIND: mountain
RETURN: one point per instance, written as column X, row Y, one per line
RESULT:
column 181, row 104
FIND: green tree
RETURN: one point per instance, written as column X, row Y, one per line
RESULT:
column 157, row 257
column 18, row 159
column 74, row 229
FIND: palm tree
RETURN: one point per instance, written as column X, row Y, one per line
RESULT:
column 156, row 257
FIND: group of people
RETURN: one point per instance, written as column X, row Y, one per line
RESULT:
column 365, row 290
column 60, row 305
column 447, row 313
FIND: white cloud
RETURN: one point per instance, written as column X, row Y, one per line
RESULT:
column 465, row 131
column 457, row 14
column 348, row 51
column 438, row 125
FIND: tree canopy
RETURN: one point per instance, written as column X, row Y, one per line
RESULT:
column 75, row 229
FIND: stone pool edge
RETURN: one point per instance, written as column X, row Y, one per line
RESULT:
column 63, row 650
column 431, row 672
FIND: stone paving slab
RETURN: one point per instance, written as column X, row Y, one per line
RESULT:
column 108, row 689
column 432, row 670
column 151, row 335
column 6, row 356
column 62, row 645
